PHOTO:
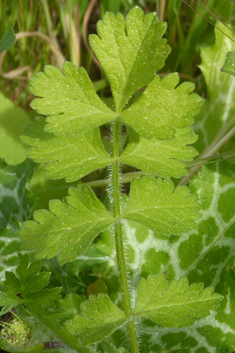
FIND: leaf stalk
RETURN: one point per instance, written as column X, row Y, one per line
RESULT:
column 119, row 239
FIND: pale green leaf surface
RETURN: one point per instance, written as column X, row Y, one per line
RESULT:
column 69, row 228
column 66, row 157
column 161, row 157
column 163, row 108
column 130, row 51
column 174, row 304
column 219, row 107
column 155, row 204
column 99, row 318
column 229, row 65
column 7, row 40
column 12, row 121
column 69, row 100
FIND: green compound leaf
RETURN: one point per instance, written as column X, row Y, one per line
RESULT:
column 162, row 108
column 7, row 40
column 161, row 157
column 229, row 65
column 99, row 318
column 130, row 51
column 28, row 278
column 174, row 304
column 10, row 300
column 12, row 121
column 66, row 157
column 69, row 228
column 69, row 100
column 154, row 203
column 27, row 286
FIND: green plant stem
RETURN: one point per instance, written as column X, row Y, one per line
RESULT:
column 119, row 240
column 162, row 10
column 48, row 17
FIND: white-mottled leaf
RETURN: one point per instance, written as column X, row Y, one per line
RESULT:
column 174, row 304
column 229, row 65
column 16, row 202
column 219, row 107
column 205, row 255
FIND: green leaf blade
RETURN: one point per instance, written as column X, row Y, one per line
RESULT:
column 79, row 108
column 43, row 298
column 12, row 121
column 99, row 318
column 161, row 157
column 8, row 301
column 229, row 65
column 7, row 40
column 153, row 203
column 28, row 278
column 29, row 283
column 163, row 108
column 174, row 304
column 37, row 282
column 69, row 228
column 66, row 157
column 7, row 298
column 129, row 51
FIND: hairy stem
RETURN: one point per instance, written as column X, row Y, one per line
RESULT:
column 119, row 240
